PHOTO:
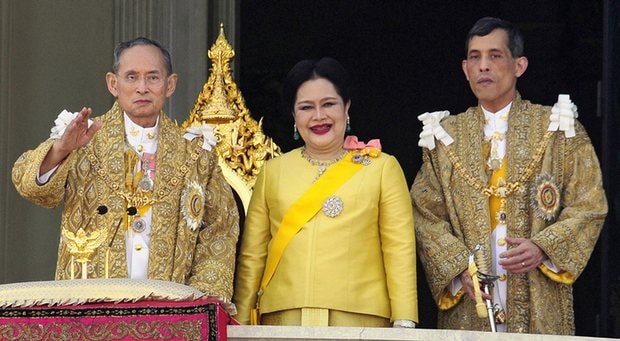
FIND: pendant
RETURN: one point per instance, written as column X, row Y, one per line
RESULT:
column 139, row 225
column 146, row 183
column 494, row 163
column 501, row 213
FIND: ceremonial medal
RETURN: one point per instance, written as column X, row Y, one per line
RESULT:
column 494, row 163
column 333, row 206
column 146, row 183
column 546, row 197
column 193, row 205
column 357, row 158
column 139, row 225
column 362, row 158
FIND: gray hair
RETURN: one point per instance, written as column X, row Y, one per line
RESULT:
column 120, row 48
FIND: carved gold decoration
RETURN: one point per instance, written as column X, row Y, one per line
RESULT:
column 242, row 147
column 82, row 245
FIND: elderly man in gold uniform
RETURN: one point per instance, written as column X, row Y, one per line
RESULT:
column 517, row 180
column 171, row 214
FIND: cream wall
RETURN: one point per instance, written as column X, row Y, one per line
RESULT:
column 53, row 56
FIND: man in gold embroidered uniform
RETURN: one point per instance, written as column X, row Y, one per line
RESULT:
column 171, row 214
column 519, row 180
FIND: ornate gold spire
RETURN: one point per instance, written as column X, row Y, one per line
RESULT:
column 242, row 147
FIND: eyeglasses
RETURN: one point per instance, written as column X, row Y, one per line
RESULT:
column 149, row 79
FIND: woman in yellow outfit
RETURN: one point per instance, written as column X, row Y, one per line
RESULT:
column 328, row 239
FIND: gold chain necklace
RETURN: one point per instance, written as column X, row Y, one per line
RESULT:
column 134, row 199
column 503, row 189
column 322, row 164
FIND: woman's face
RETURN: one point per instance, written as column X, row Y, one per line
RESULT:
column 320, row 117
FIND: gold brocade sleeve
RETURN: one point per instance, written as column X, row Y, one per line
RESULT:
column 441, row 253
column 24, row 176
column 214, row 261
column 569, row 241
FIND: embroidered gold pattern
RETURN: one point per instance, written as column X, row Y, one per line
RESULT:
column 177, row 254
column 444, row 200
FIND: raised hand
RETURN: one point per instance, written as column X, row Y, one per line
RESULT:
column 76, row 135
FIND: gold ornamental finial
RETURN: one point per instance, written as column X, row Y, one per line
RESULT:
column 81, row 246
column 219, row 106
column 242, row 146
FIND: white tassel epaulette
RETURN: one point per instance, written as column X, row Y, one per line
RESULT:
column 206, row 131
column 433, row 130
column 563, row 116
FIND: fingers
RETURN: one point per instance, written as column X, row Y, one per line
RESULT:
column 468, row 285
column 524, row 257
column 78, row 133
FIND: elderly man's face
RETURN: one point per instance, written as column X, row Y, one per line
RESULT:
column 141, row 84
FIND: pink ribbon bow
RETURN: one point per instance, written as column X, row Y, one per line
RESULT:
column 372, row 148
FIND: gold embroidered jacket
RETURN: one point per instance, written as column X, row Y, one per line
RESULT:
column 195, row 218
column 452, row 215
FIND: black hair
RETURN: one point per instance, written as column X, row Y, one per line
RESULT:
column 327, row 68
column 486, row 25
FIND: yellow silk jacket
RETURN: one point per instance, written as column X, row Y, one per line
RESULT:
column 560, row 207
column 195, row 218
column 361, row 261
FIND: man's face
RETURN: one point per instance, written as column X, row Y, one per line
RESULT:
column 491, row 70
column 141, row 84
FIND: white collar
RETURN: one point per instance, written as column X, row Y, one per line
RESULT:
column 496, row 122
column 138, row 134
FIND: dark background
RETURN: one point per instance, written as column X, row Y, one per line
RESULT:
column 405, row 59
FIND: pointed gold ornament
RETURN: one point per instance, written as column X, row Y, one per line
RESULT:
column 242, row 146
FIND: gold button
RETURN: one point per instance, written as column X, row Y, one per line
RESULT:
column 138, row 247
column 140, row 148
column 502, row 277
column 501, row 242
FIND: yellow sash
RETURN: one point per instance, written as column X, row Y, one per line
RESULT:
column 299, row 214
column 495, row 201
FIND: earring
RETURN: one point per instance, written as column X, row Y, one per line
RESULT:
column 295, row 132
column 348, row 129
